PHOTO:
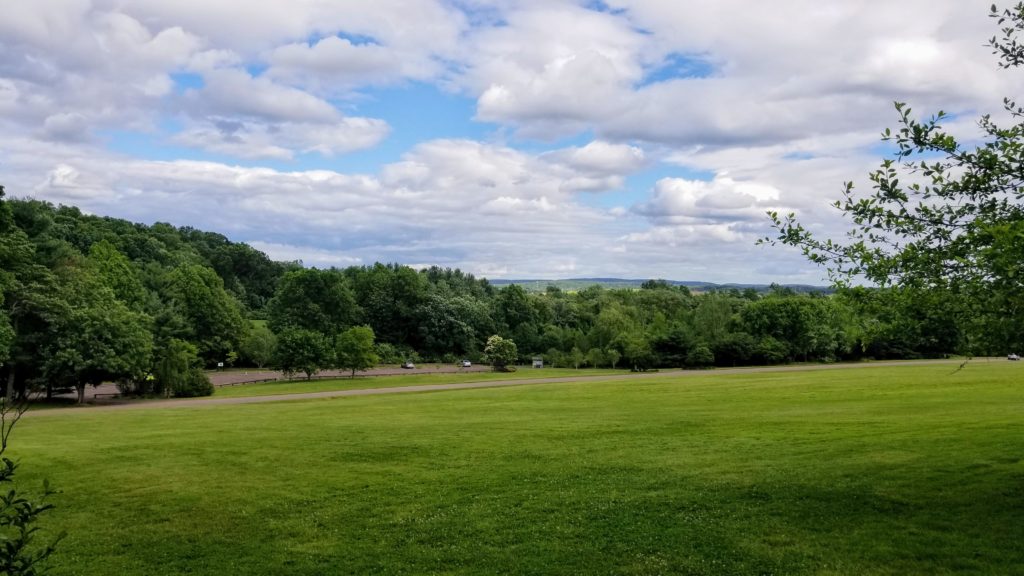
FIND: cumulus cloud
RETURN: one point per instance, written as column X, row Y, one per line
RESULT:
column 723, row 199
column 778, row 103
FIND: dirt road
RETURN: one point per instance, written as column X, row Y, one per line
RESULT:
column 200, row 402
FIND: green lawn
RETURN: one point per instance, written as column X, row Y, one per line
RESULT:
column 908, row 470
column 412, row 379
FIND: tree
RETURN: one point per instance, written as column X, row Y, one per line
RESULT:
column 259, row 345
column 300, row 350
column 942, row 215
column 613, row 357
column 354, row 349
column 577, row 357
column 96, row 338
column 700, row 357
column 179, row 371
column 501, row 353
column 596, row 357
column 213, row 318
column 312, row 299
column 116, row 271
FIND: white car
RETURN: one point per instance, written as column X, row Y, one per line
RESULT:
column 408, row 365
column 1013, row 357
column 466, row 364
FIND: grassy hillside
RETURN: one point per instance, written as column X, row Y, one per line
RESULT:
column 861, row 471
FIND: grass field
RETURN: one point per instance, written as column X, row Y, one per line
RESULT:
column 908, row 470
column 414, row 379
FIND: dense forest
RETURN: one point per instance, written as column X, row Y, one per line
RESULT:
column 88, row 299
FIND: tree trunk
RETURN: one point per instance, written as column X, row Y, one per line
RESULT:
column 9, row 393
column 81, row 393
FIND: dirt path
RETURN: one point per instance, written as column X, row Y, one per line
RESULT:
column 199, row 402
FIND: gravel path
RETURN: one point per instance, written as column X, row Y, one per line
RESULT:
column 198, row 402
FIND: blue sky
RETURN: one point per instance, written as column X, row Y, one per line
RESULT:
column 508, row 138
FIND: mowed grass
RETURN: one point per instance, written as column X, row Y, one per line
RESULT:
column 412, row 379
column 906, row 470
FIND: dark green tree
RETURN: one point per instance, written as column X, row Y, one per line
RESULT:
column 312, row 299
column 179, row 371
column 213, row 318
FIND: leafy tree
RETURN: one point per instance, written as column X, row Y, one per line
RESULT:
column 6, row 335
column 734, row 349
column 312, row 299
column 391, row 297
column 636, row 349
column 213, row 318
column 300, row 350
column 116, row 271
column 259, row 345
column 941, row 214
column 179, row 371
column 700, row 357
column 354, row 349
column 501, row 353
column 96, row 338
column 596, row 357
column 577, row 357
column 613, row 356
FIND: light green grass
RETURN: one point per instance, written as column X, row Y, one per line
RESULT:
column 412, row 379
column 909, row 470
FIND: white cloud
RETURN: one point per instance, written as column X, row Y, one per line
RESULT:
column 698, row 202
column 782, row 101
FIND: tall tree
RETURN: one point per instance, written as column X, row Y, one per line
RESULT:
column 213, row 317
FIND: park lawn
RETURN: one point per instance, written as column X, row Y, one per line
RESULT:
column 881, row 470
column 412, row 379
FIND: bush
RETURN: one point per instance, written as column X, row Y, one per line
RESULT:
column 700, row 357
column 195, row 383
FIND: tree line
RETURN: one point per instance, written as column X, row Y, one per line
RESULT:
column 89, row 299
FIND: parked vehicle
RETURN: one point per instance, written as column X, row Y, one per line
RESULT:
column 466, row 364
column 408, row 365
column 1013, row 357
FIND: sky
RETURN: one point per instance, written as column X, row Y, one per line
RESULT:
column 511, row 139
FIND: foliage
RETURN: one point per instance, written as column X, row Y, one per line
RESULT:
column 942, row 215
column 213, row 318
column 259, row 345
column 179, row 372
column 700, row 356
column 19, row 554
column 312, row 299
column 354, row 350
column 95, row 337
column 300, row 350
column 502, row 353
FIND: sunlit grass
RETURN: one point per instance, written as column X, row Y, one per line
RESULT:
column 910, row 470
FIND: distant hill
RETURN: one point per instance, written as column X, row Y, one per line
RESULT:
column 575, row 284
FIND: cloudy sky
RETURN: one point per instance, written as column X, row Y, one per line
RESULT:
column 509, row 138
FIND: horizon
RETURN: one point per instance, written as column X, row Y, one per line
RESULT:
column 620, row 139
